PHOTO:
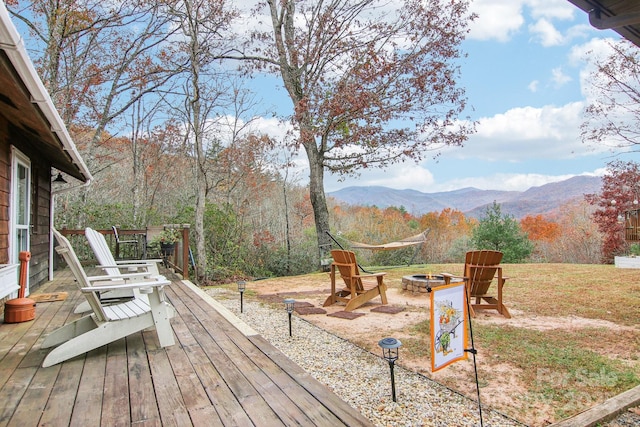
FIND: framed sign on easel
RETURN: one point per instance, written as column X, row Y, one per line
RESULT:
column 449, row 338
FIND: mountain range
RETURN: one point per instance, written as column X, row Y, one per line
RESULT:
column 473, row 202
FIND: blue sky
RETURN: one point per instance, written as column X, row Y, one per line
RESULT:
column 526, row 78
column 527, row 83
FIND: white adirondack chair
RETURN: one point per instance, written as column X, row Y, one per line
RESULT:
column 108, row 323
column 134, row 270
column 109, row 264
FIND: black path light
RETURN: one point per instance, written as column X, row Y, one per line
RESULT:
column 289, row 303
column 241, row 287
column 390, row 351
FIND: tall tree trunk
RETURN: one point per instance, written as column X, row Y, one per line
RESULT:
column 318, row 199
column 201, row 159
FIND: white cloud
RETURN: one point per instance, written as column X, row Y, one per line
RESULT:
column 527, row 133
column 533, row 86
column 559, row 77
column 497, row 19
column 586, row 55
column 552, row 9
column 546, row 33
column 501, row 20
column 578, row 32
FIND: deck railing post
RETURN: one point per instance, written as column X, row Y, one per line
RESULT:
column 185, row 251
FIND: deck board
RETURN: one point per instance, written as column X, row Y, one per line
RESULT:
column 216, row 374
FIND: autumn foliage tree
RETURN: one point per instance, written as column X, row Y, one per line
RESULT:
column 579, row 241
column 372, row 83
column 448, row 232
column 620, row 188
column 542, row 232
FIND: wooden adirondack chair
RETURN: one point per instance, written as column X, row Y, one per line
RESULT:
column 480, row 269
column 358, row 289
column 107, row 323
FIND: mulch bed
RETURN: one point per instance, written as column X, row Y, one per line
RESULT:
column 390, row 309
column 345, row 314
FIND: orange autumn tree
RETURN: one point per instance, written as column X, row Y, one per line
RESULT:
column 541, row 232
column 449, row 231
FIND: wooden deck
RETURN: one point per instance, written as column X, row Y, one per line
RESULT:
column 216, row 374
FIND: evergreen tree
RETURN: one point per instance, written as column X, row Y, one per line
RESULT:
column 501, row 233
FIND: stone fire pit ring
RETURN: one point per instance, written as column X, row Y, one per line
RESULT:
column 421, row 282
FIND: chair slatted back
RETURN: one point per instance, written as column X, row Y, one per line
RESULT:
column 348, row 268
column 101, row 250
column 65, row 249
column 480, row 268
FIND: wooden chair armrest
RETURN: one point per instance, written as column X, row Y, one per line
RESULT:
column 135, row 285
column 139, row 261
column 448, row 277
column 123, row 266
column 499, row 271
column 372, row 275
column 125, row 277
column 133, row 269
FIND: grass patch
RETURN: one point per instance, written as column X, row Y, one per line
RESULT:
column 570, row 370
column 559, row 366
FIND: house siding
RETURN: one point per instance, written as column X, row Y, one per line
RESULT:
column 40, row 207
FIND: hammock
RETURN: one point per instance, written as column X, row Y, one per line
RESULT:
column 418, row 239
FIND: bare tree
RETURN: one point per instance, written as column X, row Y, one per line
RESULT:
column 613, row 116
column 371, row 85
column 98, row 60
column 201, row 24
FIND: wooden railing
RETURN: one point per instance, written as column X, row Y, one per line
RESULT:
column 632, row 225
column 143, row 237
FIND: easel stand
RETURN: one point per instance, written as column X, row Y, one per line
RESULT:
column 473, row 352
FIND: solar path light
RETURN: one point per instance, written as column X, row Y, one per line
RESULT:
column 241, row 287
column 390, row 351
column 289, row 303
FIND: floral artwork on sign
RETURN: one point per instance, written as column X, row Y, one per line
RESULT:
column 448, row 325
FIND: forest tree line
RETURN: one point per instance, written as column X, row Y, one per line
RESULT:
column 154, row 96
column 258, row 224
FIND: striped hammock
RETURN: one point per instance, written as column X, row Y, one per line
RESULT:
column 418, row 239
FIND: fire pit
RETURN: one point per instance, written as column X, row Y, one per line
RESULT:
column 421, row 282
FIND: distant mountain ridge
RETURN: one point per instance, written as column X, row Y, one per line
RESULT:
column 473, row 202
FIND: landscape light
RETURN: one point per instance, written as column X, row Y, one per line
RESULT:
column 241, row 287
column 391, row 351
column 289, row 304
